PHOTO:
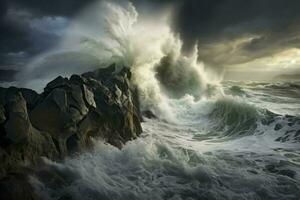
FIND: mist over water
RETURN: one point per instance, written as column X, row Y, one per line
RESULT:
column 211, row 140
column 223, row 148
column 107, row 33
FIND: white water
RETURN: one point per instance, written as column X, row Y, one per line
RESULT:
column 207, row 144
column 194, row 158
column 109, row 33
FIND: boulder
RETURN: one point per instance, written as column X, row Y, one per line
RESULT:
column 31, row 97
column 20, row 143
column 97, row 104
column 58, row 82
column 102, row 74
column 62, row 120
column 49, row 114
column 17, row 126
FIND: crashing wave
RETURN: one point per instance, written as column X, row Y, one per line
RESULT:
column 236, row 119
column 117, row 34
column 169, row 161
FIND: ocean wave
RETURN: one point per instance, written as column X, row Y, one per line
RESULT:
column 153, row 169
column 284, row 85
column 231, row 118
column 237, row 91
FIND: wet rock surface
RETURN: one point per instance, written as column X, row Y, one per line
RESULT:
column 63, row 119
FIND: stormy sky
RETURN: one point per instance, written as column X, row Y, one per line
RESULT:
column 253, row 36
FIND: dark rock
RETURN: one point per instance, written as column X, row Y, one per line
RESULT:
column 76, row 79
column 102, row 74
column 49, row 114
column 17, row 126
column 66, row 112
column 63, row 119
column 20, row 142
column 58, row 82
column 31, row 97
column 88, row 97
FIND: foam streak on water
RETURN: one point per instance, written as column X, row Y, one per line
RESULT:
column 211, row 140
column 201, row 156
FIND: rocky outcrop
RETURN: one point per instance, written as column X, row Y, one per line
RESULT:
column 63, row 119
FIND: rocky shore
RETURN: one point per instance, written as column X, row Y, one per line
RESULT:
column 62, row 121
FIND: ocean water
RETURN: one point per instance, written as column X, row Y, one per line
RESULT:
column 242, row 145
column 211, row 139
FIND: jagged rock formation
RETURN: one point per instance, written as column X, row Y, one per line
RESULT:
column 63, row 119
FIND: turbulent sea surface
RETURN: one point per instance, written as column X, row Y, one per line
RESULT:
column 225, row 140
column 242, row 145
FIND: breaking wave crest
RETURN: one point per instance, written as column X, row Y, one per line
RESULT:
column 205, row 143
column 234, row 118
column 153, row 169
column 117, row 34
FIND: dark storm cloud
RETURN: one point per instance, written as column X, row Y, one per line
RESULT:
column 227, row 31
column 28, row 28
column 3, row 8
column 207, row 18
column 18, row 30
column 15, row 33
column 234, row 31
column 274, row 24
column 13, row 38
column 53, row 7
